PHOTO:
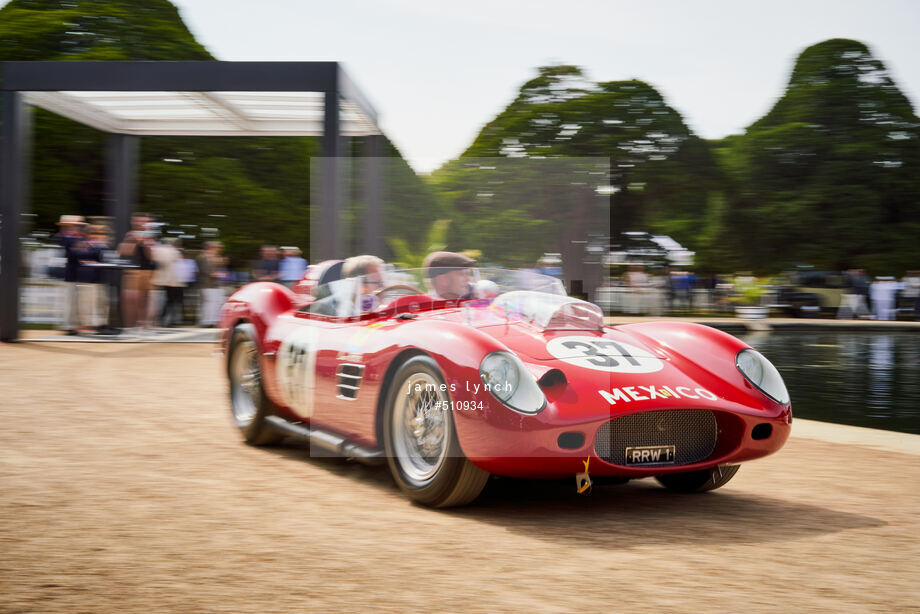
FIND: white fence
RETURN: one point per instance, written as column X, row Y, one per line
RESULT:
column 41, row 301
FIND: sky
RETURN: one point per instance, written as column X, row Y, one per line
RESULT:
column 437, row 71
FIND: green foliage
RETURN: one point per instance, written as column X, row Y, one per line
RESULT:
column 435, row 241
column 828, row 177
column 749, row 290
column 411, row 205
column 514, row 210
column 661, row 172
column 234, row 194
column 252, row 190
column 95, row 30
column 68, row 162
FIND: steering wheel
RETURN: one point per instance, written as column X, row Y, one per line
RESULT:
column 382, row 291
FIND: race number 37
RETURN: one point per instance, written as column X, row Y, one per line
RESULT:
column 604, row 355
column 296, row 369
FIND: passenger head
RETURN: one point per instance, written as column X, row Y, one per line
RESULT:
column 449, row 274
column 366, row 266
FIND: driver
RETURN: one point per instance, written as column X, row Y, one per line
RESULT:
column 449, row 275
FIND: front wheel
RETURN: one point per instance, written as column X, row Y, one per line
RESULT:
column 421, row 441
column 698, row 481
column 248, row 402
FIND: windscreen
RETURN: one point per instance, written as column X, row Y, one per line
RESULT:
column 355, row 296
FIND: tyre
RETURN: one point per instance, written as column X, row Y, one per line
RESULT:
column 698, row 481
column 248, row 403
column 421, row 440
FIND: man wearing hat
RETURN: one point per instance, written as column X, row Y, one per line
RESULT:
column 449, row 275
column 71, row 238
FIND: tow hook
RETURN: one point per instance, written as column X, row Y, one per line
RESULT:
column 583, row 480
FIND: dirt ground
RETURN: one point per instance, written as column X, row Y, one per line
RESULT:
column 124, row 487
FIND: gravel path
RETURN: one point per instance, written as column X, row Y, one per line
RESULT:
column 124, row 488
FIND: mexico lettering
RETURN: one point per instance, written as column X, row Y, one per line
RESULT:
column 628, row 394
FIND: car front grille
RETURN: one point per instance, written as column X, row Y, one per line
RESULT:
column 693, row 433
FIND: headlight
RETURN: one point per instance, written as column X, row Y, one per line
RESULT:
column 761, row 372
column 506, row 377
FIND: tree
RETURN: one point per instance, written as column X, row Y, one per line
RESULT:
column 615, row 137
column 249, row 190
column 828, row 176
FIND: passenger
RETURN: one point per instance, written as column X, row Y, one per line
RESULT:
column 449, row 275
column 337, row 298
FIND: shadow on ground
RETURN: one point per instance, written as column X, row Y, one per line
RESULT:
column 640, row 513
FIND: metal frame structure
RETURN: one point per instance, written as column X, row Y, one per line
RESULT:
column 132, row 99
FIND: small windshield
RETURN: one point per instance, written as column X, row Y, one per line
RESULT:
column 549, row 311
column 363, row 294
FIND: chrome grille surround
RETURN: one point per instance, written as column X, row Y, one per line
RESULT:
column 693, row 432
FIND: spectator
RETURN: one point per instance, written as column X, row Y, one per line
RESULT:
column 70, row 237
column 681, row 284
column 854, row 305
column 637, row 281
column 92, row 291
column 136, row 284
column 292, row 267
column 267, row 268
column 187, row 273
column 166, row 279
column 209, row 271
column 912, row 291
column 882, row 295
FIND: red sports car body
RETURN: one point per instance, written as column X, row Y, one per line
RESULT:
column 518, row 380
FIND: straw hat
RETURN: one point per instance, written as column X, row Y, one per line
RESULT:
column 71, row 219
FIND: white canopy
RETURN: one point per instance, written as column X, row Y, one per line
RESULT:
column 203, row 113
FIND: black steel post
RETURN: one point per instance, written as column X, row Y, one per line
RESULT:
column 15, row 134
column 121, row 176
column 329, row 234
column 373, row 196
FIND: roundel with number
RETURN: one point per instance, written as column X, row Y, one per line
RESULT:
column 296, row 369
column 603, row 354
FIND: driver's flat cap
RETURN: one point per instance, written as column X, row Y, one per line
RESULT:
column 437, row 263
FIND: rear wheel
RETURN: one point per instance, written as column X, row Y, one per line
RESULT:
column 421, row 441
column 248, row 402
column 698, row 481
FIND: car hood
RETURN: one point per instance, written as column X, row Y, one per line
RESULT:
column 630, row 369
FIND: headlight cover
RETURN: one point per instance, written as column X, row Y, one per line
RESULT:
column 506, row 377
column 762, row 374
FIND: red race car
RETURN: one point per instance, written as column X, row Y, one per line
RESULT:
column 513, row 378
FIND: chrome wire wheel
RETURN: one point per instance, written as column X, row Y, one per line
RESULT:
column 245, row 382
column 421, row 433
